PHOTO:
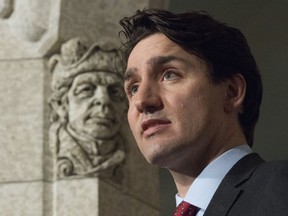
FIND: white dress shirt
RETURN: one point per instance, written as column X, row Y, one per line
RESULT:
column 204, row 186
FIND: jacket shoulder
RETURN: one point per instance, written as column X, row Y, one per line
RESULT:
column 273, row 174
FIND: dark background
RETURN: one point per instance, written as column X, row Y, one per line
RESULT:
column 265, row 25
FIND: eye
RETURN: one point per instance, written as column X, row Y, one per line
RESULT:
column 84, row 90
column 169, row 75
column 115, row 92
column 134, row 89
column 131, row 90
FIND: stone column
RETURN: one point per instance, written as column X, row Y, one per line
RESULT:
column 109, row 177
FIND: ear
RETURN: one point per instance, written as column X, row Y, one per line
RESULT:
column 235, row 93
column 60, row 109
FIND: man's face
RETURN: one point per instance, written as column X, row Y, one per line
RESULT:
column 96, row 105
column 174, row 108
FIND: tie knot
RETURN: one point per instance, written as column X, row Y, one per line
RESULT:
column 185, row 209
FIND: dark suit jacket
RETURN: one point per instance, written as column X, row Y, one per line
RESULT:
column 252, row 187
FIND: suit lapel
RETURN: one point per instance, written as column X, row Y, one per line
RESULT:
column 228, row 193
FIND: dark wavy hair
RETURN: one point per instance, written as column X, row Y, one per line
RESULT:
column 223, row 48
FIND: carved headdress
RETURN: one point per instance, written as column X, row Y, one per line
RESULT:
column 77, row 58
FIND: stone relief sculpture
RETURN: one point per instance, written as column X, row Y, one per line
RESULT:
column 88, row 108
column 26, row 19
column 6, row 8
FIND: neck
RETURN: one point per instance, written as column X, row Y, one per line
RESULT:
column 182, row 182
column 186, row 174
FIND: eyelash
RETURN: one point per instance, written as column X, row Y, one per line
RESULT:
column 130, row 87
column 169, row 72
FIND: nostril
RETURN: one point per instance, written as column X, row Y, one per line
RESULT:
column 97, row 102
column 150, row 109
column 149, row 105
column 147, row 99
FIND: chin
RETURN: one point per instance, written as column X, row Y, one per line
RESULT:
column 101, row 134
column 159, row 159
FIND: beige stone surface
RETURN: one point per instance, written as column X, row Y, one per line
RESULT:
column 21, row 199
column 32, row 31
column 92, row 196
column 115, row 201
column 22, row 120
column 77, row 197
column 35, row 27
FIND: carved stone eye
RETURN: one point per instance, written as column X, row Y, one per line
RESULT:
column 115, row 92
column 85, row 90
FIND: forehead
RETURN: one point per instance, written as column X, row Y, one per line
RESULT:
column 96, row 77
column 157, row 50
column 154, row 45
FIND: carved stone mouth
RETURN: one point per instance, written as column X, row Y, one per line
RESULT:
column 101, row 120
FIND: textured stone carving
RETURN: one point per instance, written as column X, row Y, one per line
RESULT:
column 88, row 107
column 6, row 8
column 28, row 19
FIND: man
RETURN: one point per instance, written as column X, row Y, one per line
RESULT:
column 89, row 105
column 194, row 94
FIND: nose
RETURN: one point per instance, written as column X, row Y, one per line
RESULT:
column 148, row 98
column 101, row 98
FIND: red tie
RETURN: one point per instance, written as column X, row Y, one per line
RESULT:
column 185, row 209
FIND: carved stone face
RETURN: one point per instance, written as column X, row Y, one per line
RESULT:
column 96, row 105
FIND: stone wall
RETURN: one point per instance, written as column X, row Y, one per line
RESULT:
column 32, row 33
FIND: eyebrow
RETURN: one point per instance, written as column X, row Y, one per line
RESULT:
column 159, row 60
column 130, row 72
column 153, row 61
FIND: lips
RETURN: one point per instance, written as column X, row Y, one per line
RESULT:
column 100, row 120
column 153, row 123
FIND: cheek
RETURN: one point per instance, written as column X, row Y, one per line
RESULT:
column 191, row 108
column 77, row 110
column 186, row 100
column 132, row 119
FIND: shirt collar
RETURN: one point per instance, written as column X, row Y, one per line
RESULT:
column 204, row 186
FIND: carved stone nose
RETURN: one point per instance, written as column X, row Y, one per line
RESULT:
column 101, row 96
